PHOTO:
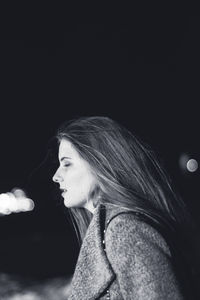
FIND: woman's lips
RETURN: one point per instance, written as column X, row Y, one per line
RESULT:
column 63, row 193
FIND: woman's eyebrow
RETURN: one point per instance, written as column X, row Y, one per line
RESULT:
column 64, row 157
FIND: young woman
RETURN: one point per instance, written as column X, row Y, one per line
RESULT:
column 135, row 232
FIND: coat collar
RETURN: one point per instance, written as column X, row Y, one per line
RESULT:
column 93, row 273
column 112, row 211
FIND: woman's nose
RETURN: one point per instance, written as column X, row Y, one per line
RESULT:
column 56, row 177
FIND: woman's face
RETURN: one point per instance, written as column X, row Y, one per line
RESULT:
column 74, row 177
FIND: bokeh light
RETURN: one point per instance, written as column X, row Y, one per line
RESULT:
column 188, row 163
column 15, row 201
column 192, row 165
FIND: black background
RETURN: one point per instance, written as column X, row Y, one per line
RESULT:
column 139, row 66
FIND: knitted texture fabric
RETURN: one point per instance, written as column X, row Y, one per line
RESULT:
column 136, row 264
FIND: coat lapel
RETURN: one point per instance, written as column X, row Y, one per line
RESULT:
column 93, row 273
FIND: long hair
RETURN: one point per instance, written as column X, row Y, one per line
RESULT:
column 129, row 175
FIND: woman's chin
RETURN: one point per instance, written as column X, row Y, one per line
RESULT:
column 66, row 202
column 74, row 202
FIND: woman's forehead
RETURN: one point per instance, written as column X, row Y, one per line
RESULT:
column 66, row 149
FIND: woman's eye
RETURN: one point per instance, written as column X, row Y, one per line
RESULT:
column 67, row 165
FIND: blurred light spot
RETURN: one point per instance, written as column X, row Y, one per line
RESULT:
column 192, row 165
column 14, row 202
column 187, row 163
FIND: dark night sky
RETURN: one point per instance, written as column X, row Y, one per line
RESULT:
column 142, row 71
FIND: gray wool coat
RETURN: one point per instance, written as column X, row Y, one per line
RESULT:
column 136, row 262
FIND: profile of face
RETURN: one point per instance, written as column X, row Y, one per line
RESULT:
column 74, row 177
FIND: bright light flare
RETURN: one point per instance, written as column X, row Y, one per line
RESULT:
column 187, row 163
column 192, row 165
column 14, row 202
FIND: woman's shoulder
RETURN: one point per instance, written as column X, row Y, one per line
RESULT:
column 126, row 229
column 140, row 257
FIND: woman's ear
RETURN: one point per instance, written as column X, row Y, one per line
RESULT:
column 96, row 195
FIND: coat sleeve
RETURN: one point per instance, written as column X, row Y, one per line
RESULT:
column 140, row 258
